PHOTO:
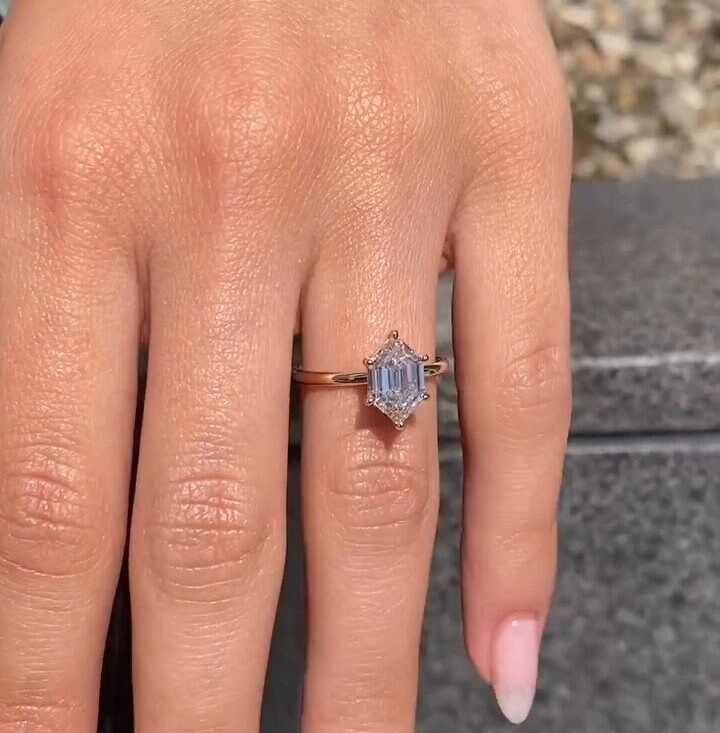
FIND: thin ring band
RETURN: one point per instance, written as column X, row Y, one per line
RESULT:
column 353, row 379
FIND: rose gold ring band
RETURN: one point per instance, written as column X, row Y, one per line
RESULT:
column 353, row 379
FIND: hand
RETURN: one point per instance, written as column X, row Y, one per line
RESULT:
column 196, row 174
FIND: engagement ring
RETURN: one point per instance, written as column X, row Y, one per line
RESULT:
column 395, row 376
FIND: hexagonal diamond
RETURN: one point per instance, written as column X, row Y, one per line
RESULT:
column 396, row 380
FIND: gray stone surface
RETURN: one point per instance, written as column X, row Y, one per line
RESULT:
column 646, row 306
column 633, row 643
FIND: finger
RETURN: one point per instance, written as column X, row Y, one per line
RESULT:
column 68, row 350
column 511, row 332
column 208, row 533
column 370, row 492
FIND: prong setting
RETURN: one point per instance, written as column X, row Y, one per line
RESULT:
column 396, row 379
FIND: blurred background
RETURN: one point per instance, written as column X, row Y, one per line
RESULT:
column 644, row 77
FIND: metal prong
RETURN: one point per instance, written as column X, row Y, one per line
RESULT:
column 426, row 395
column 369, row 361
column 399, row 425
column 426, row 357
column 394, row 335
column 370, row 400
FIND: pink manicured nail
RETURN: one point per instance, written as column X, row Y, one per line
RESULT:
column 515, row 666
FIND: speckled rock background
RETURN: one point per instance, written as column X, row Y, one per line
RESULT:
column 644, row 78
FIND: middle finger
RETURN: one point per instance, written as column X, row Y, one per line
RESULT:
column 208, row 534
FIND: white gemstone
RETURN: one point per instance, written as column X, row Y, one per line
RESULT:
column 396, row 380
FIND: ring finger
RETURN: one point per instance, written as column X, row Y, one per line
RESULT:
column 370, row 491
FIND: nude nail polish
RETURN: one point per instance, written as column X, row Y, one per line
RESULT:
column 515, row 666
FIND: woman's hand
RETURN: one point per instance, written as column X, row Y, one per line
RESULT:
column 197, row 174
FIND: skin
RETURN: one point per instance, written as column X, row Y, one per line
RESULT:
column 200, row 176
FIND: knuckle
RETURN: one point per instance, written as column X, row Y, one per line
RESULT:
column 207, row 532
column 532, row 544
column 247, row 125
column 370, row 700
column 388, row 114
column 547, row 122
column 52, row 521
column 36, row 716
column 67, row 152
column 528, row 105
column 380, row 494
column 528, row 540
column 268, row 126
column 534, row 390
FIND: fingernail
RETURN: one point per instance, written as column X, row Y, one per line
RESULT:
column 515, row 666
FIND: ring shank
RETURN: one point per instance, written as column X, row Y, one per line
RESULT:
column 353, row 379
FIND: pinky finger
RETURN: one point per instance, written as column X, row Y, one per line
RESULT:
column 511, row 332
